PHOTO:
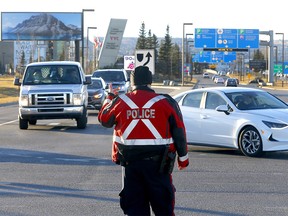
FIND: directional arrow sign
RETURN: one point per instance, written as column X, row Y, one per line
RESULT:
column 145, row 58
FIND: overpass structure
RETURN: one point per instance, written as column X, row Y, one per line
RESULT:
column 270, row 45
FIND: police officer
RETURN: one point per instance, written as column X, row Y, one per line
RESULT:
column 149, row 135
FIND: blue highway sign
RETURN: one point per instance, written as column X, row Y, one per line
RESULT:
column 214, row 57
column 226, row 38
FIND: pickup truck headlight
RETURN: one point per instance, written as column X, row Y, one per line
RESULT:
column 77, row 99
column 24, row 100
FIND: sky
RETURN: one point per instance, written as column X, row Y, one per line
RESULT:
column 157, row 15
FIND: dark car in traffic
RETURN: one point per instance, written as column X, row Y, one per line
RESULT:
column 118, row 78
column 96, row 93
column 231, row 82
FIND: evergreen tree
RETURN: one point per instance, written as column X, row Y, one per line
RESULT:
column 155, row 47
column 164, row 63
column 141, row 41
column 30, row 58
column 258, row 55
column 62, row 56
column 22, row 59
column 149, row 41
column 22, row 63
column 176, row 62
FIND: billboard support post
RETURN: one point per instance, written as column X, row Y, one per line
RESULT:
column 87, row 48
column 82, row 29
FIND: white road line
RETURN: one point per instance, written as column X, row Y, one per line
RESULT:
column 5, row 123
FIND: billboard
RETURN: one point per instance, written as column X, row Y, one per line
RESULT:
column 111, row 46
column 41, row 26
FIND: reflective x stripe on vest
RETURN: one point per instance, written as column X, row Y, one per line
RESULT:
column 158, row 140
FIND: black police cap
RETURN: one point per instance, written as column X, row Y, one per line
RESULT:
column 141, row 76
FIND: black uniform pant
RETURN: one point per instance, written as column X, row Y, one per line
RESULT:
column 144, row 185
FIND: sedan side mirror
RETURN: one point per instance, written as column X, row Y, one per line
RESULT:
column 223, row 108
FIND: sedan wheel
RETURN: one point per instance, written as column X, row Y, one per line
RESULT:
column 250, row 142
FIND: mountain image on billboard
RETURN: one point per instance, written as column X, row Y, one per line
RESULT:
column 41, row 26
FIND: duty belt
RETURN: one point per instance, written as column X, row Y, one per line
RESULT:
column 156, row 158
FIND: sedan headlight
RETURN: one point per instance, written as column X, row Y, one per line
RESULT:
column 274, row 124
column 97, row 96
column 24, row 100
column 120, row 88
column 77, row 99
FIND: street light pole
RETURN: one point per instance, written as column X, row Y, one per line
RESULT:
column 248, row 57
column 87, row 47
column 276, row 54
column 184, row 24
column 187, row 57
column 283, row 65
column 84, row 10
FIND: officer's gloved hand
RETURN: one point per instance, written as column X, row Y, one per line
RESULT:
column 183, row 162
column 110, row 96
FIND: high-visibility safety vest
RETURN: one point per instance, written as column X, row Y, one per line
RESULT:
column 135, row 116
column 143, row 120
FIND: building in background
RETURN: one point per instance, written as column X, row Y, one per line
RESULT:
column 6, row 57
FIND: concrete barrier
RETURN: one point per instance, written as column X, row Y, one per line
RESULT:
column 171, row 83
column 165, row 82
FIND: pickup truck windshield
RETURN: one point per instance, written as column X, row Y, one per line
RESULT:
column 55, row 74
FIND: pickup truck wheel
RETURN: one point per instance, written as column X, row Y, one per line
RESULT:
column 82, row 121
column 32, row 122
column 23, row 123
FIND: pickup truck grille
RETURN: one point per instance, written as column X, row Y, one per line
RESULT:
column 51, row 99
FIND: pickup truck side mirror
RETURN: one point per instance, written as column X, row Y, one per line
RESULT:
column 17, row 81
column 88, row 80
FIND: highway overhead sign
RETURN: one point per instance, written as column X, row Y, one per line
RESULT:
column 226, row 38
column 214, row 57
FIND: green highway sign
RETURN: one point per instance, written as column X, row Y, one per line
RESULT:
column 277, row 68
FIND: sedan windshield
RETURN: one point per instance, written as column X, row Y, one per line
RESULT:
column 96, row 84
column 255, row 100
column 110, row 76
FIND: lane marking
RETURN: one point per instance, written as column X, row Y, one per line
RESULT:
column 5, row 123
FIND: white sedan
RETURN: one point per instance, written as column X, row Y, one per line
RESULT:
column 206, row 75
column 248, row 119
column 219, row 80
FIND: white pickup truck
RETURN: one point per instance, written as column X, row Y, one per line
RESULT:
column 53, row 90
